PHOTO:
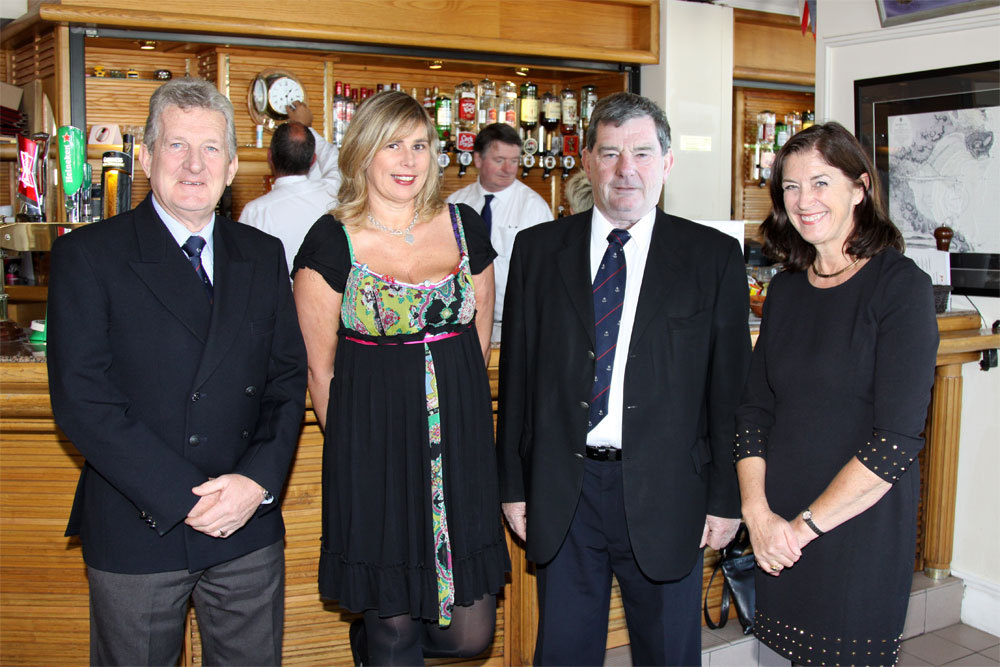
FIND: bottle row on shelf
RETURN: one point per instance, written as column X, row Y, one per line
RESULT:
column 771, row 136
column 551, row 126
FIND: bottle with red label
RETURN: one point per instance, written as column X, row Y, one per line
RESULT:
column 465, row 116
column 570, row 122
column 507, row 101
column 488, row 105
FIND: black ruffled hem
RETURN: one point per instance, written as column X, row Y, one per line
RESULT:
column 405, row 589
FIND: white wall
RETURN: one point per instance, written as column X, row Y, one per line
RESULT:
column 850, row 44
column 693, row 83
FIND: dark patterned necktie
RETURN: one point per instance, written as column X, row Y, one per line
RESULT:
column 487, row 213
column 192, row 248
column 609, row 297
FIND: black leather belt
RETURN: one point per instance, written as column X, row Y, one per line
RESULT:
column 604, row 453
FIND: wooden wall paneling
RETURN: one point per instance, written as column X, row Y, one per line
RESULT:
column 613, row 30
column 771, row 47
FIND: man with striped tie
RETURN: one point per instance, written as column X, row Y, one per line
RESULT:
column 177, row 368
column 625, row 348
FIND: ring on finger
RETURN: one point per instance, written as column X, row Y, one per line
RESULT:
column 222, row 533
column 775, row 567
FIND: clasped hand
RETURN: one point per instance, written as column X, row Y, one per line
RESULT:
column 776, row 544
column 226, row 503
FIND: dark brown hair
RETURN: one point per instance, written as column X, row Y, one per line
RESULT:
column 872, row 231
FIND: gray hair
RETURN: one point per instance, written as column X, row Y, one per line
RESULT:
column 189, row 93
column 621, row 107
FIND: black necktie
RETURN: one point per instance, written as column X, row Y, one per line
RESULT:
column 192, row 248
column 609, row 297
column 487, row 213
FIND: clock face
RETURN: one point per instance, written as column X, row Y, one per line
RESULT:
column 282, row 92
column 259, row 95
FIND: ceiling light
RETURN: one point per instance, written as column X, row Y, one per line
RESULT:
column 437, row 64
column 147, row 45
column 521, row 71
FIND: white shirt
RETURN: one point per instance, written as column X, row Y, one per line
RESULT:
column 181, row 234
column 514, row 208
column 608, row 432
column 294, row 203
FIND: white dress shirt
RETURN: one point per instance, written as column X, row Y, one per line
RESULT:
column 294, row 203
column 181, row 234
column 513, row 209
column 608, row 432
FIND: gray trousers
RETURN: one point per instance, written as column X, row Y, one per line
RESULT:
column 138, row 619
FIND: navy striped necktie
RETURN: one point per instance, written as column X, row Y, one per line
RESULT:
column 609, row 297
column 193, row 248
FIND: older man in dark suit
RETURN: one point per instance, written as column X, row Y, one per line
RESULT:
column 625, row 348
column 177, row 368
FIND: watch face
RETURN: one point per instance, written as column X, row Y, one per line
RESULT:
column 259, row 95
column 282, row 92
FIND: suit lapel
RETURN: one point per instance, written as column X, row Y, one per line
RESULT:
column 574, row 268
column 167, row 273
column 232, row 285
column 662, row 273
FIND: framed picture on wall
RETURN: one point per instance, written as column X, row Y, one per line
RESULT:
column 894, row 12
column 935, row 140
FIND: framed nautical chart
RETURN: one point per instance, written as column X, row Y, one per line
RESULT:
column 934, row 138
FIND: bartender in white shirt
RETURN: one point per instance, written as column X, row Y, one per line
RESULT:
column 507, row 204
column 306, row 181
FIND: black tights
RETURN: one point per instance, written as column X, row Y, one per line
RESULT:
column 402, row 640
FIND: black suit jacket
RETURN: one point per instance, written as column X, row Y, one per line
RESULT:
column 687, row 361
column 160, row 390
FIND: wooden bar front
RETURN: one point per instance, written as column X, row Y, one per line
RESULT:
column 44, row 604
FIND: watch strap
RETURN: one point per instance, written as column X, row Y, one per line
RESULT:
column 807, row 517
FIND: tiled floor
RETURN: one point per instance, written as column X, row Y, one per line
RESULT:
column 955, row 645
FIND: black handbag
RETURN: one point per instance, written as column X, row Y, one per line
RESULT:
column 737, row 563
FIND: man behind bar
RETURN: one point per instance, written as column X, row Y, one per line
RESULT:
column 506, row 204
column 177, row 369
column 306, row 181
column 625, row 347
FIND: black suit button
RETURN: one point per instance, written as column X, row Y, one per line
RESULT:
column 195, row 396
column 578, row 455
column 250, row 391
column 591, row 355
column 244, row 434
column 585, row 405
column 194, row 440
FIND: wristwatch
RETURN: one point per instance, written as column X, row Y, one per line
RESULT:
column 807, row 516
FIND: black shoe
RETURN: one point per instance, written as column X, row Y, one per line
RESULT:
column 359, row 650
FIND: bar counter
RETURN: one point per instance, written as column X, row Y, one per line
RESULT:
column 44, row 604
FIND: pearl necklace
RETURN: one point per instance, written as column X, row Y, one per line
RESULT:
column 405, row 233
column 835, row 273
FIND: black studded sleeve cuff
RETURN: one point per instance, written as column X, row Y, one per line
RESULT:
column 889, row 455
column 750, row 441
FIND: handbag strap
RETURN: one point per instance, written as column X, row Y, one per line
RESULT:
column 724, row 603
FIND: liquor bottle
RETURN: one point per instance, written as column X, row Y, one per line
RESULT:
column 464, row 116
column 551, row 113
column 339, row 113
column 529, row 106
column 442, row 117
column 507, row 112
column 588, row 100
column 429, row 101
column 569, row 128
column 488, row 107
column 808, row 119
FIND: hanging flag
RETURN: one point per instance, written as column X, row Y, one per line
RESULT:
column 807, row 10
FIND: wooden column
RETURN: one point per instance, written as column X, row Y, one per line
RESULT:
column 942, row 464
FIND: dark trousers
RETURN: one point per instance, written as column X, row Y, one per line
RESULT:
column 138, row 619
column 574, row 588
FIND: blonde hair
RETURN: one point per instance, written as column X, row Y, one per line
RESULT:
column 578, row 192
column 385, row 117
